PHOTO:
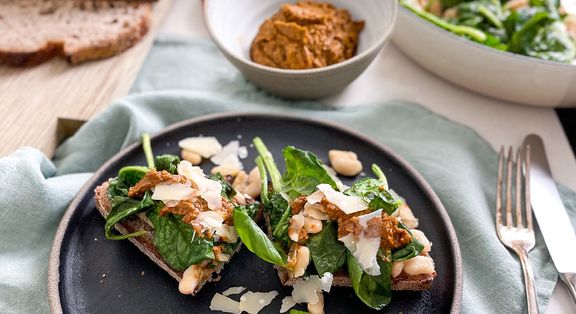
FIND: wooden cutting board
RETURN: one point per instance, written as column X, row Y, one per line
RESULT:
column 32, row 99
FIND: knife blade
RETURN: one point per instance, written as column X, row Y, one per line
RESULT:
column 550, row 213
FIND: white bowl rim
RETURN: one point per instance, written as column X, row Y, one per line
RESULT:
column 491, row 50
column 381, row 40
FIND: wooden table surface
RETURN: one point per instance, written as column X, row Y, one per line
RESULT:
column 32, row 99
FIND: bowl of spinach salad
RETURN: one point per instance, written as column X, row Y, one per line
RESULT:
column 521, row 51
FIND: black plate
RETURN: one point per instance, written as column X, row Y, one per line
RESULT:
column 89, row 274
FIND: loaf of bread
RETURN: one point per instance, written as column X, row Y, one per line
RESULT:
column 33, row 31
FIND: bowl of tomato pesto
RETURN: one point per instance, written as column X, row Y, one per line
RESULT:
column 303, row 49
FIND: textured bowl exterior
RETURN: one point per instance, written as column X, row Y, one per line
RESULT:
column 485, row 70
column 234, row 24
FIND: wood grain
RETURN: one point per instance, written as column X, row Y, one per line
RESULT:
column 32, row 99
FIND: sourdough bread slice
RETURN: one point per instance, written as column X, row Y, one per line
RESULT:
column 145, row 243
column 33, row 31
column 403, row 281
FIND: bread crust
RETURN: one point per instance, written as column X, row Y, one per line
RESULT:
column 97, row 49
column 145, row 243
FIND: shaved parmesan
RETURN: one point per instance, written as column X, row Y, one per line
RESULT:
column 242, row 152
column 287, row 303
column 305, row 290
column 253, row 302
column 315, row 197
column 229, row 154
column 172, row 192
column 364, row 249
column 326, row 281
column 209, row 189
column 203, row 146
column 225, row 304
column 315, row 211
column 234, row 290
column 363, row 220
column 339, row 184
column 349, row 204
column 229, row 234
column 209, row 220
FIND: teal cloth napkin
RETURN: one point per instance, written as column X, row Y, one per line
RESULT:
column 187, row 78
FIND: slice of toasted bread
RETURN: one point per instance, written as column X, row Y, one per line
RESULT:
column 34, row 31
column 401, row 282
column 145, row 243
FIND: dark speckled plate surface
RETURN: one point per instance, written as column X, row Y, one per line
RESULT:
column 89, row 274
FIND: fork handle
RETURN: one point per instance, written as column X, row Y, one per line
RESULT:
column 570, row 280
column 529, row 282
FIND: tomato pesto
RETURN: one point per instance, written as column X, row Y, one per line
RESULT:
column 306, row 35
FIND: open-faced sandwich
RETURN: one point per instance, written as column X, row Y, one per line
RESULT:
column 320, row 233
column 176, row 215
column 361, row 236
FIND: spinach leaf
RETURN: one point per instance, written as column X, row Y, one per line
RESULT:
column 298, row 312
column 250, row 209
column 280, row 231
column 327, row 253
column 177, row 241
column 124, row 209
column 537, row 32
column 127, row 177
column 276, row 208
column 375, row 192
column 374, row 291
column 485, row 15
column 410, row 250
column 227, row 190
column 167, row 162
column 147, row 147
column 304, row 172
column 256, row 240
column 264, row 179
column 461, row 30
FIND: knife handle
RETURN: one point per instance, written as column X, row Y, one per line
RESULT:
column 570, row 280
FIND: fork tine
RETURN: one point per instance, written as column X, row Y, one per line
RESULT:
column 499, row 188
column 509, row 189
column 527, row 187
column 518, row 188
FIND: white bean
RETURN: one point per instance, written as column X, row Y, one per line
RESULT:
column 225, row 170
column 318, row 307
column 419, row 265
column 302, row 256
column 312, row 225
column 192, row 157
column 345, row 162
column 296, row 224
column 397, row 268
column 421, row 237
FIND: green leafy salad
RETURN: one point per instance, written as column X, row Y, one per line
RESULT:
column 537, row 28
column 319, row 231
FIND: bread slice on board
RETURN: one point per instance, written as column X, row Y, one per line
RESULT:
column 145, row 243
column 33, row 31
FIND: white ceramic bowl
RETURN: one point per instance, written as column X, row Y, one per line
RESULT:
column 485, row 70
column 233, row 25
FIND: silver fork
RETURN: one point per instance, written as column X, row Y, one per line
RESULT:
column 519, row 237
